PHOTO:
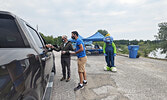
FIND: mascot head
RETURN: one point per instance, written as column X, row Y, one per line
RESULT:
column 108, row 39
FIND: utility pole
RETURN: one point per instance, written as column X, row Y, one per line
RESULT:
column 37, row 27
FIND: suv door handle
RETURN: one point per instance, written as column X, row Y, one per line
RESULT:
column 45, row 58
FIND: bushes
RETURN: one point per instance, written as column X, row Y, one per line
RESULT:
column 145, row 47
column 122, row 49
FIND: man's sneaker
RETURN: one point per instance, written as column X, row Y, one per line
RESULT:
column 107, row 68
column 85, row 83
column 78, row 87
column 68, row 79
column 62, row 79
column 113, row 69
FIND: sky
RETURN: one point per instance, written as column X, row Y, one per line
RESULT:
column 123, row 19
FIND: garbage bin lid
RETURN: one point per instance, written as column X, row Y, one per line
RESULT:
column 133, row 46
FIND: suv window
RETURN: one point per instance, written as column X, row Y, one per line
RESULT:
column 35, row 36
column 10, row 36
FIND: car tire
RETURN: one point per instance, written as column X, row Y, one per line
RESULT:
column 30, row 95
column 29, row 98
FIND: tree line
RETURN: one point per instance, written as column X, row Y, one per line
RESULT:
column 51, row 40
column 145, row 45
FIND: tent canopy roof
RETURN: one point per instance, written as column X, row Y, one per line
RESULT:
column 95, row 37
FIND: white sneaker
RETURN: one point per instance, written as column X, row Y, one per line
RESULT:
column 105, row 68
column 113, row 69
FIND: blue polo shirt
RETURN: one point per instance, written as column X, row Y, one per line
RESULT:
column 83, row 53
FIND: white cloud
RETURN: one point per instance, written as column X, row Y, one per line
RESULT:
column 130, row 19
column 119, row 13
column 63, row 1
column 131, row 1
column 99, row 3
column 43, row 11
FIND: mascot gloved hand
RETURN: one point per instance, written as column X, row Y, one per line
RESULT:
column 109, row 50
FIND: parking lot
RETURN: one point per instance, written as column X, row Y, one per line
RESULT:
column 136, row 79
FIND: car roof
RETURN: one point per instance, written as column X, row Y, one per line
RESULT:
column 7, row 13
column 13, row 15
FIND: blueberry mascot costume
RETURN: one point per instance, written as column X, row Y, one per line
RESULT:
column 109, row 50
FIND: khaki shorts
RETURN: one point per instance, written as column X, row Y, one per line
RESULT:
column 81, row 64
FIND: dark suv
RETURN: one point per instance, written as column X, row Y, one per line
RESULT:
column 25, row 62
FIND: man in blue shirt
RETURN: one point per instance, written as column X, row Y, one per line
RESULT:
column 82, row 58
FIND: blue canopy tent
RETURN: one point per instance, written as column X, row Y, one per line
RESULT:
column 95, row 37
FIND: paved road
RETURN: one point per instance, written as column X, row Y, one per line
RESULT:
column 63, row 90
column 136, row 79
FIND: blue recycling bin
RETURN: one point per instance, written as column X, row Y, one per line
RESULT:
column 133, row 49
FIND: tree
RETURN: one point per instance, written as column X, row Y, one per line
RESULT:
column 162, row 35
column 122, row 42
column 103, row 32
column 134, row 42
column 48, row 39
column 58, row 40
column 51, row 39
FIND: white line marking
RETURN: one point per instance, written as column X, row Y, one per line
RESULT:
column 50, row 84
